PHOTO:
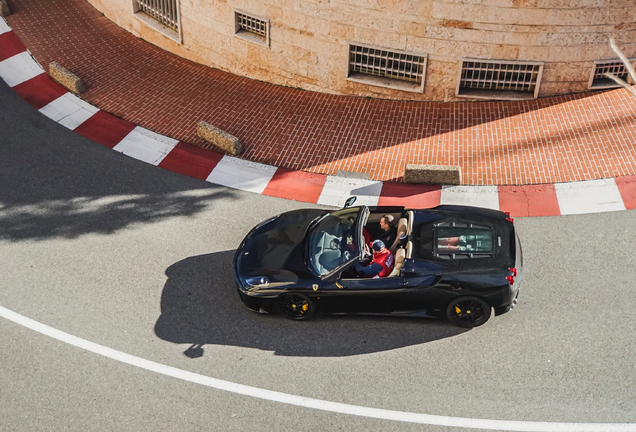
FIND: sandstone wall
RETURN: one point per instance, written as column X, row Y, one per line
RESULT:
column 308, row 47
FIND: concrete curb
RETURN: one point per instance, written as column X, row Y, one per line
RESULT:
column 5, row 10
column 433, row 174
column 219, row 138
column 66, row 78
column 21, row 72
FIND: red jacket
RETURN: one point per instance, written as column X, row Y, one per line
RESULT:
column 385, row 259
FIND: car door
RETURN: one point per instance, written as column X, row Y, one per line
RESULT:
column 426, row 284
column 365, row 295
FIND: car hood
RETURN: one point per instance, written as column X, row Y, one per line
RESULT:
column 275, row 248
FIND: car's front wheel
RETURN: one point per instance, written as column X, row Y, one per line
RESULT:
column 295, row 306
column 468, row 312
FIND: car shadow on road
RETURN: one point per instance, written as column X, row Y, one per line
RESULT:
column 200, row 306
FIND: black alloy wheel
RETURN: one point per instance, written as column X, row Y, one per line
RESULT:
column 468, row 312
column 295, row 306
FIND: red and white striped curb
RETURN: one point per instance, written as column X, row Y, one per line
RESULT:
column 27, row 78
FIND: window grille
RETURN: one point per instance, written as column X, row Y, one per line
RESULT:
column 387, row 68
column 164, row 11
column 598, row 80
column 251, row 28
column 488, row 79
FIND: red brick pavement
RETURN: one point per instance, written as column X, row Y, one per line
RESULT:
column 559, row 139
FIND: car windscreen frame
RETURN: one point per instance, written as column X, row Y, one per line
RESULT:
column 357, row 241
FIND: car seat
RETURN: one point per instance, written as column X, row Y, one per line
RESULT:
column 401, row 231
column 400, row 255
column 329, row 259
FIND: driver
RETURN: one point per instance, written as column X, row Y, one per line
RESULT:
column 382, row 263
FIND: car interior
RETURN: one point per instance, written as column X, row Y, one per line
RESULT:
column 404, row 226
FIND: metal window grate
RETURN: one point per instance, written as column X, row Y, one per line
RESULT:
column 484, row 75
column 616, row 67
column 251, row 24
column 386, row 64
column 164, row 11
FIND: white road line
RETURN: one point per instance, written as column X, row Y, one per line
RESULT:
column 590, row 196
column 19, row 68
column 145, row 145
column 338, row 189
column 242, row 174
column 305, row 402
column 479, row 196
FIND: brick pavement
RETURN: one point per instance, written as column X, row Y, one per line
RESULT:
column 24, row 75
column 560, row 139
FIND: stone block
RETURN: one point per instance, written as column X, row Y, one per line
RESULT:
column 4, row 8
column 221, row 139
column 534, row 53
column 66, row 78
column 506, row 52
column 433, row 174
column 341, row 31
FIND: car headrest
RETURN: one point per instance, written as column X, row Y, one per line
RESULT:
column 409, row 249
column 399, row 262
column 400, row 256
column 402, row 226
column 401, row 231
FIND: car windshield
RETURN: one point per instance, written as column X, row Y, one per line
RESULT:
column 334, row 241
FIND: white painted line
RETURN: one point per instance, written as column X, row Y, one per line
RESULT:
column 241, row 174
column 306, row 402
column 69, row 110
column 146, row 146
column 4, row 27
column 19, row 68
column 338, row 189
column 478, row 196
column 592, row 196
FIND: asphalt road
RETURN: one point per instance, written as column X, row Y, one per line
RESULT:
column 138, row 259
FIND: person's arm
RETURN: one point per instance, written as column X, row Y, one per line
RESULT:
column 372, row 270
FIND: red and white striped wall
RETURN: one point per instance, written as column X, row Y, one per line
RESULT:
column 21, row 72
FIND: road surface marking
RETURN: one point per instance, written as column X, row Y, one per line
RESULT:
column 305, row 402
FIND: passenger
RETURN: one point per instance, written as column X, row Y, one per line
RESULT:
column 382, row 263
column 389, row 230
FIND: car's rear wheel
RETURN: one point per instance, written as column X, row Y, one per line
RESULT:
column 468, row 312
column 295, row 306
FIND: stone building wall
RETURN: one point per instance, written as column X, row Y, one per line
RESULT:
column 308, row 38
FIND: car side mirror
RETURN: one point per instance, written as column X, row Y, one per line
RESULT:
column 349, row 202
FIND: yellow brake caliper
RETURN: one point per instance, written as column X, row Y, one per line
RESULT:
column 305, row 307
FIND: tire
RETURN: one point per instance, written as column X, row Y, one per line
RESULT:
column 468, row 312
column 295, row 306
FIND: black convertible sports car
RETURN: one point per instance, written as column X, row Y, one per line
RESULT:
column 451, row 261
